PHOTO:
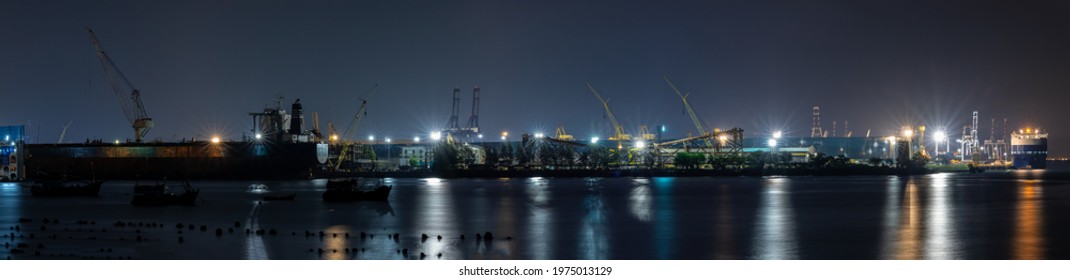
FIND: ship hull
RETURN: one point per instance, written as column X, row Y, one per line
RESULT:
column 1029, row 151
column 194, row 160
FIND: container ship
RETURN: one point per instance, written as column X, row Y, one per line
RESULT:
column 1029, row 147
column 272, row 153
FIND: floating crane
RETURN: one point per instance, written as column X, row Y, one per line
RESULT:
column 618, row 131
column 347, row 136
column 129, row 96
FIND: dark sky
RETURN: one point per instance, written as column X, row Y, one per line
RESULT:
column 760, row 65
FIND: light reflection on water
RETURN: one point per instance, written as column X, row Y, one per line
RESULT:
column 255, row 249
column 775, row 235
column 908, row 235
column 540, row 227
column 335, row 247
column 940, row 240
column 594, row 234
column 639, row 199
column 1028, row 238
column 941, row 216
column 665, row 219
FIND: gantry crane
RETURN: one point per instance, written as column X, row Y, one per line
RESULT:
column 129, row 96
column 618, row 131
column 347, row 136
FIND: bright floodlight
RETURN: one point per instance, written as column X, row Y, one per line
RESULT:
column 908, row 132
column 722, row 138
column 772, row 143
column 503, row 137
column 416, row 139
column 215, row 140
column 776, row 135
column 371, row 137
column 640, row 144
column 480, row 136
column 435, row 136
column 258, row 136
column 116, row 141
column 388, row 139
column 940, row 136
column 594, row 140
column 538, row 135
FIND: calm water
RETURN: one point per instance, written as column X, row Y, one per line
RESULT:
column 998, row 215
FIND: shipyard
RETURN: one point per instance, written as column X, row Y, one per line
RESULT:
column 626, row 139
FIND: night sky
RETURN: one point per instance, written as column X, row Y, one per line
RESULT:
column 760, row 65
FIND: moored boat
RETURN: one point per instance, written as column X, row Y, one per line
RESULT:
column 159, row 195
column 351, row 190
column 65, row 188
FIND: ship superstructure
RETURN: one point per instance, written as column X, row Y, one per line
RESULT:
column 1029, row 148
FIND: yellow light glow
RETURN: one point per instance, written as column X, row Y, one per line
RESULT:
column 215, row 140
column 908, row 132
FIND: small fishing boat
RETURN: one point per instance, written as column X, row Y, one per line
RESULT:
column 159, row 195
column 352, row 190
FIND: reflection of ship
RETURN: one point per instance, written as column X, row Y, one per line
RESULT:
column 1029, row 147
column 351, row 190
column 158, row 195
column 271, row 153
column 65, row 188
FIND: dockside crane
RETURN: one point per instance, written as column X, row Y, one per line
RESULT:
column 690, row 111
column 618, row 131
column 129, row 96
column 347, row 136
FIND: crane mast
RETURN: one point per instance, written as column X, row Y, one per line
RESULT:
column 618, row 131
column 129, row 96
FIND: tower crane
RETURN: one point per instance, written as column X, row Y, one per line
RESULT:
column 690, row 111
column 352, row 128
column 618, row 131
column 129, row 96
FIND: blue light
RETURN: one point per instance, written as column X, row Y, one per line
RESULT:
column 663, row 128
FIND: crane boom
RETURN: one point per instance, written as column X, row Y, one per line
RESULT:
column 129, row 96
column 352, row 128
column 353, row 124
column 690, row 110
column 618, row 131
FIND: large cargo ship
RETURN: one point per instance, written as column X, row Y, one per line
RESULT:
column 1029, row 147
column 274, row 152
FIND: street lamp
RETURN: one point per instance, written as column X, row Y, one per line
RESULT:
column 416, row 139
column 776, row 135
column 435, row 136
column 371, row 138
